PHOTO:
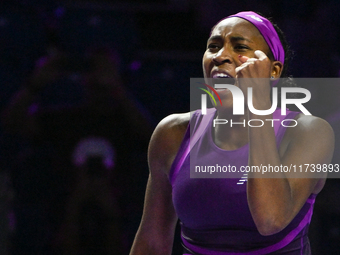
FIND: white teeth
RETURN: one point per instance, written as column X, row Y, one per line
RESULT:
column 221, row 75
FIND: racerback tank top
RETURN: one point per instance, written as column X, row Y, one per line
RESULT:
column 214, row 213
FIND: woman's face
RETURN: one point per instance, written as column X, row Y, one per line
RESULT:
column 229, row 39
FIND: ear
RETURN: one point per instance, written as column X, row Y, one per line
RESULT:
column 276, row 69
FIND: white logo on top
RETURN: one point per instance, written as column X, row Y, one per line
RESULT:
column 243, row 179
column 255, row 18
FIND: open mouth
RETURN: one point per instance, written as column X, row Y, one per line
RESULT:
column 222, row 78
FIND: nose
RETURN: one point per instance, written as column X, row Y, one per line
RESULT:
column 222, row 56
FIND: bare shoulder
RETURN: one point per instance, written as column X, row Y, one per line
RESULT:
column 313, row 127
column 314, row 136
column 166, row 140
column 311, row 141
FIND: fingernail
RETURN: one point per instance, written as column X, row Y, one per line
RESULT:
column 239, row 56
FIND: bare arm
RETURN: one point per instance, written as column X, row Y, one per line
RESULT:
column 275, row 201
column 156, row 231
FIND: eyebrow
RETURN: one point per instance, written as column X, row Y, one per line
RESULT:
column 233, row 38
column 239, row 38
column 215, row 37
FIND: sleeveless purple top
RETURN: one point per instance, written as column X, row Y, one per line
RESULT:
column 214, row 213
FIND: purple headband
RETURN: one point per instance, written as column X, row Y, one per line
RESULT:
column 267, row 30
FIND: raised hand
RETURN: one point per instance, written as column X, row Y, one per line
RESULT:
column 255, row 72
column 258, row 67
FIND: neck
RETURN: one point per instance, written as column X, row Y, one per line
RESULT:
column 230, row 131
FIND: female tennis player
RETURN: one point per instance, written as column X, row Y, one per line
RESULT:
column 248, row 214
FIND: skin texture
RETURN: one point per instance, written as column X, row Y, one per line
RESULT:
column 237, row 48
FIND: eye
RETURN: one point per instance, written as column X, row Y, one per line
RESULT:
column 241, row 47
column 213, row 47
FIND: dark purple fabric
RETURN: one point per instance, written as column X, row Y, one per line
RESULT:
column 214, row 213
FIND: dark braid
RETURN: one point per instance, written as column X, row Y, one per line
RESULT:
column 287, row 80
column 286, row 48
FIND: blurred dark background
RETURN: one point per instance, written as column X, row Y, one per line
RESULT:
column 158, row 46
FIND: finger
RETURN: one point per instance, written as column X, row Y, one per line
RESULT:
column 238, row 69
column 260, row 55
column 244, row 65
column 252, row 60
column 243, row 58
